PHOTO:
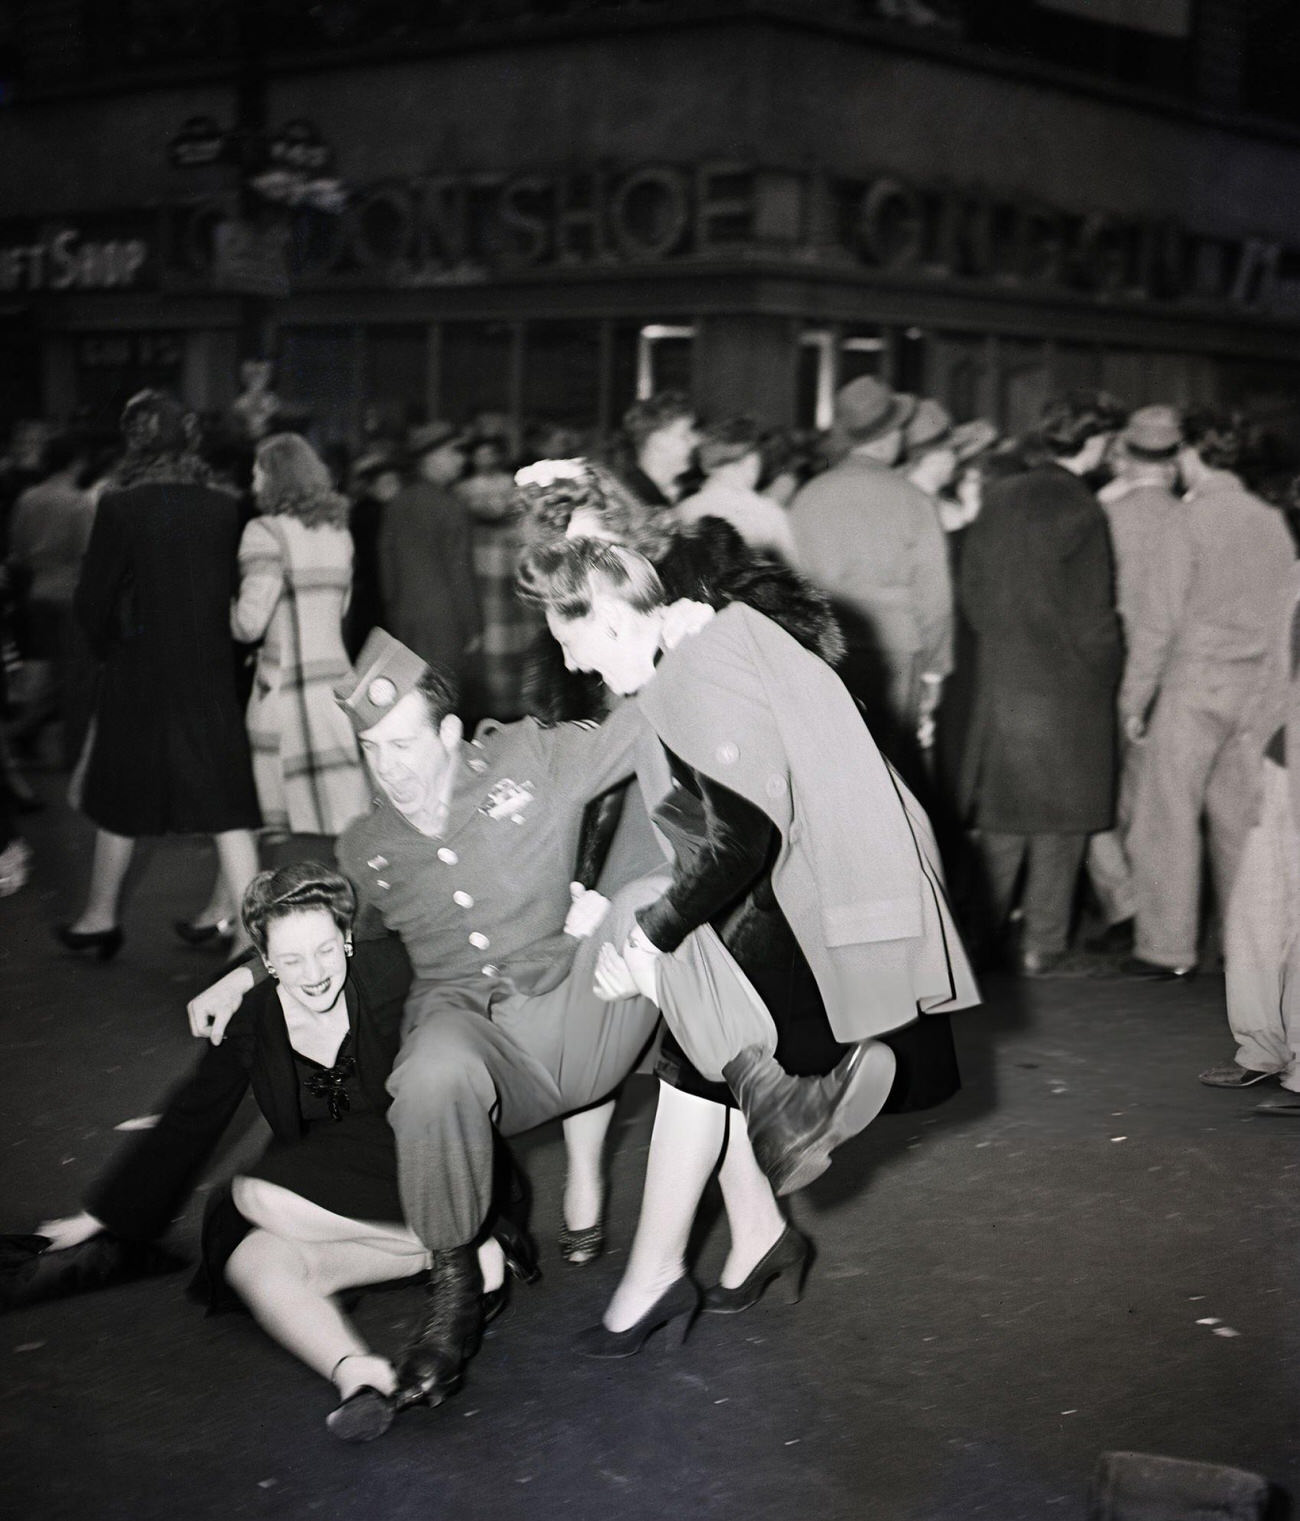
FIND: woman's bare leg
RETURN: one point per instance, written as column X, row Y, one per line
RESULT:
column 753, row 1216
column 237, row 853
column 108, row 870
column 299, row 1256
column 584, row 1180
column 289, row 1286
column 684, row 1147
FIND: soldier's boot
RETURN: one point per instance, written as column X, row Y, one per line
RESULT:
column 448, row 1332
column 795, row 1123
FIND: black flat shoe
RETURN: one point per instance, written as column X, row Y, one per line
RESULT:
column 223, row 930
column 105, row 943
column 792, row 1253
column 363, row 1416
column 674, row 1310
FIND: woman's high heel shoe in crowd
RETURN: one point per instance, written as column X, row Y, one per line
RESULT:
column 674, row 1310
column 791, row 1254
column 221, row 932
column 105, row 943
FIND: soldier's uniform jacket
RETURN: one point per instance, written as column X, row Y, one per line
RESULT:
column 486, row 899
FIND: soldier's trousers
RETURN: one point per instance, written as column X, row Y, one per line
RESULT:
column 460, row 1072
column 1262, row 939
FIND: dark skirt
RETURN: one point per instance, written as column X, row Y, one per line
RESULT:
column 347, row 1166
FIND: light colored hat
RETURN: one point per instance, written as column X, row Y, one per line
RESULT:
column 1153, row 433
column 426, row 437
column 385, row 672
column 971, row 438
column 866, row 408
column 930, row 425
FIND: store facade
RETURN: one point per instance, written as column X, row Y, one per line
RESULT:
column 983, row 238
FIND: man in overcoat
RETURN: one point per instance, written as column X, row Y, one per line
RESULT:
column 871, row 540
column 1038, row 770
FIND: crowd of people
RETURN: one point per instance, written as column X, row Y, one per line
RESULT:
column 592, row 761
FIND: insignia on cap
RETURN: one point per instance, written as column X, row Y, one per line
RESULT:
column 384, row 673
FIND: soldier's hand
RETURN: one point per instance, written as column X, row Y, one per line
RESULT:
column 585, row 912
column 212, row 1009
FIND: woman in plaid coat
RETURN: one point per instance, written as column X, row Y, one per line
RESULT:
column 295, row 567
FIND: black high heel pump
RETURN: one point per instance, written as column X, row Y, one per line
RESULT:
column 218, row 934
column 105, row 943
column 792, row 1253
column 674, row 1310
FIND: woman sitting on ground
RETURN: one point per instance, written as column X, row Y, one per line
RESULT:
column 319, row 1211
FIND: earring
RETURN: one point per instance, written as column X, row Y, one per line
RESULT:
column 347, row 947
column 274, row 975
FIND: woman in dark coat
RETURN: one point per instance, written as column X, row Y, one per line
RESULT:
column 168, row 753
column 1038, row 771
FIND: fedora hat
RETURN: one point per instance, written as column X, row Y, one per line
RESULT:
column 424, row 438
column 929, row 426
column 1153, row 433
column 971, row 438
column 867, row 408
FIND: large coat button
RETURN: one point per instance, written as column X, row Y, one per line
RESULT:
column 462, row 899
column 727, row 754
column 479, row 940
column 447, row 855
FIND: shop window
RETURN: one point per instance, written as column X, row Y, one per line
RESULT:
column 316, row 381
column 664, row 358
column 112, row 367
column 397, row 360
column 828, row 359
column 1024, row 383
column 862, row 352
column 562, row 373
column 957, row 374
column 476, row 361
column 815, row 379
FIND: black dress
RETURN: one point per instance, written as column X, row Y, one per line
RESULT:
column 345, row 1160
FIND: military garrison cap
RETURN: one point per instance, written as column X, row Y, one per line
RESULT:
column 384, row 673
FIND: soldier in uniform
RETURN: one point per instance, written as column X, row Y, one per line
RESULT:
column 467, row 854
